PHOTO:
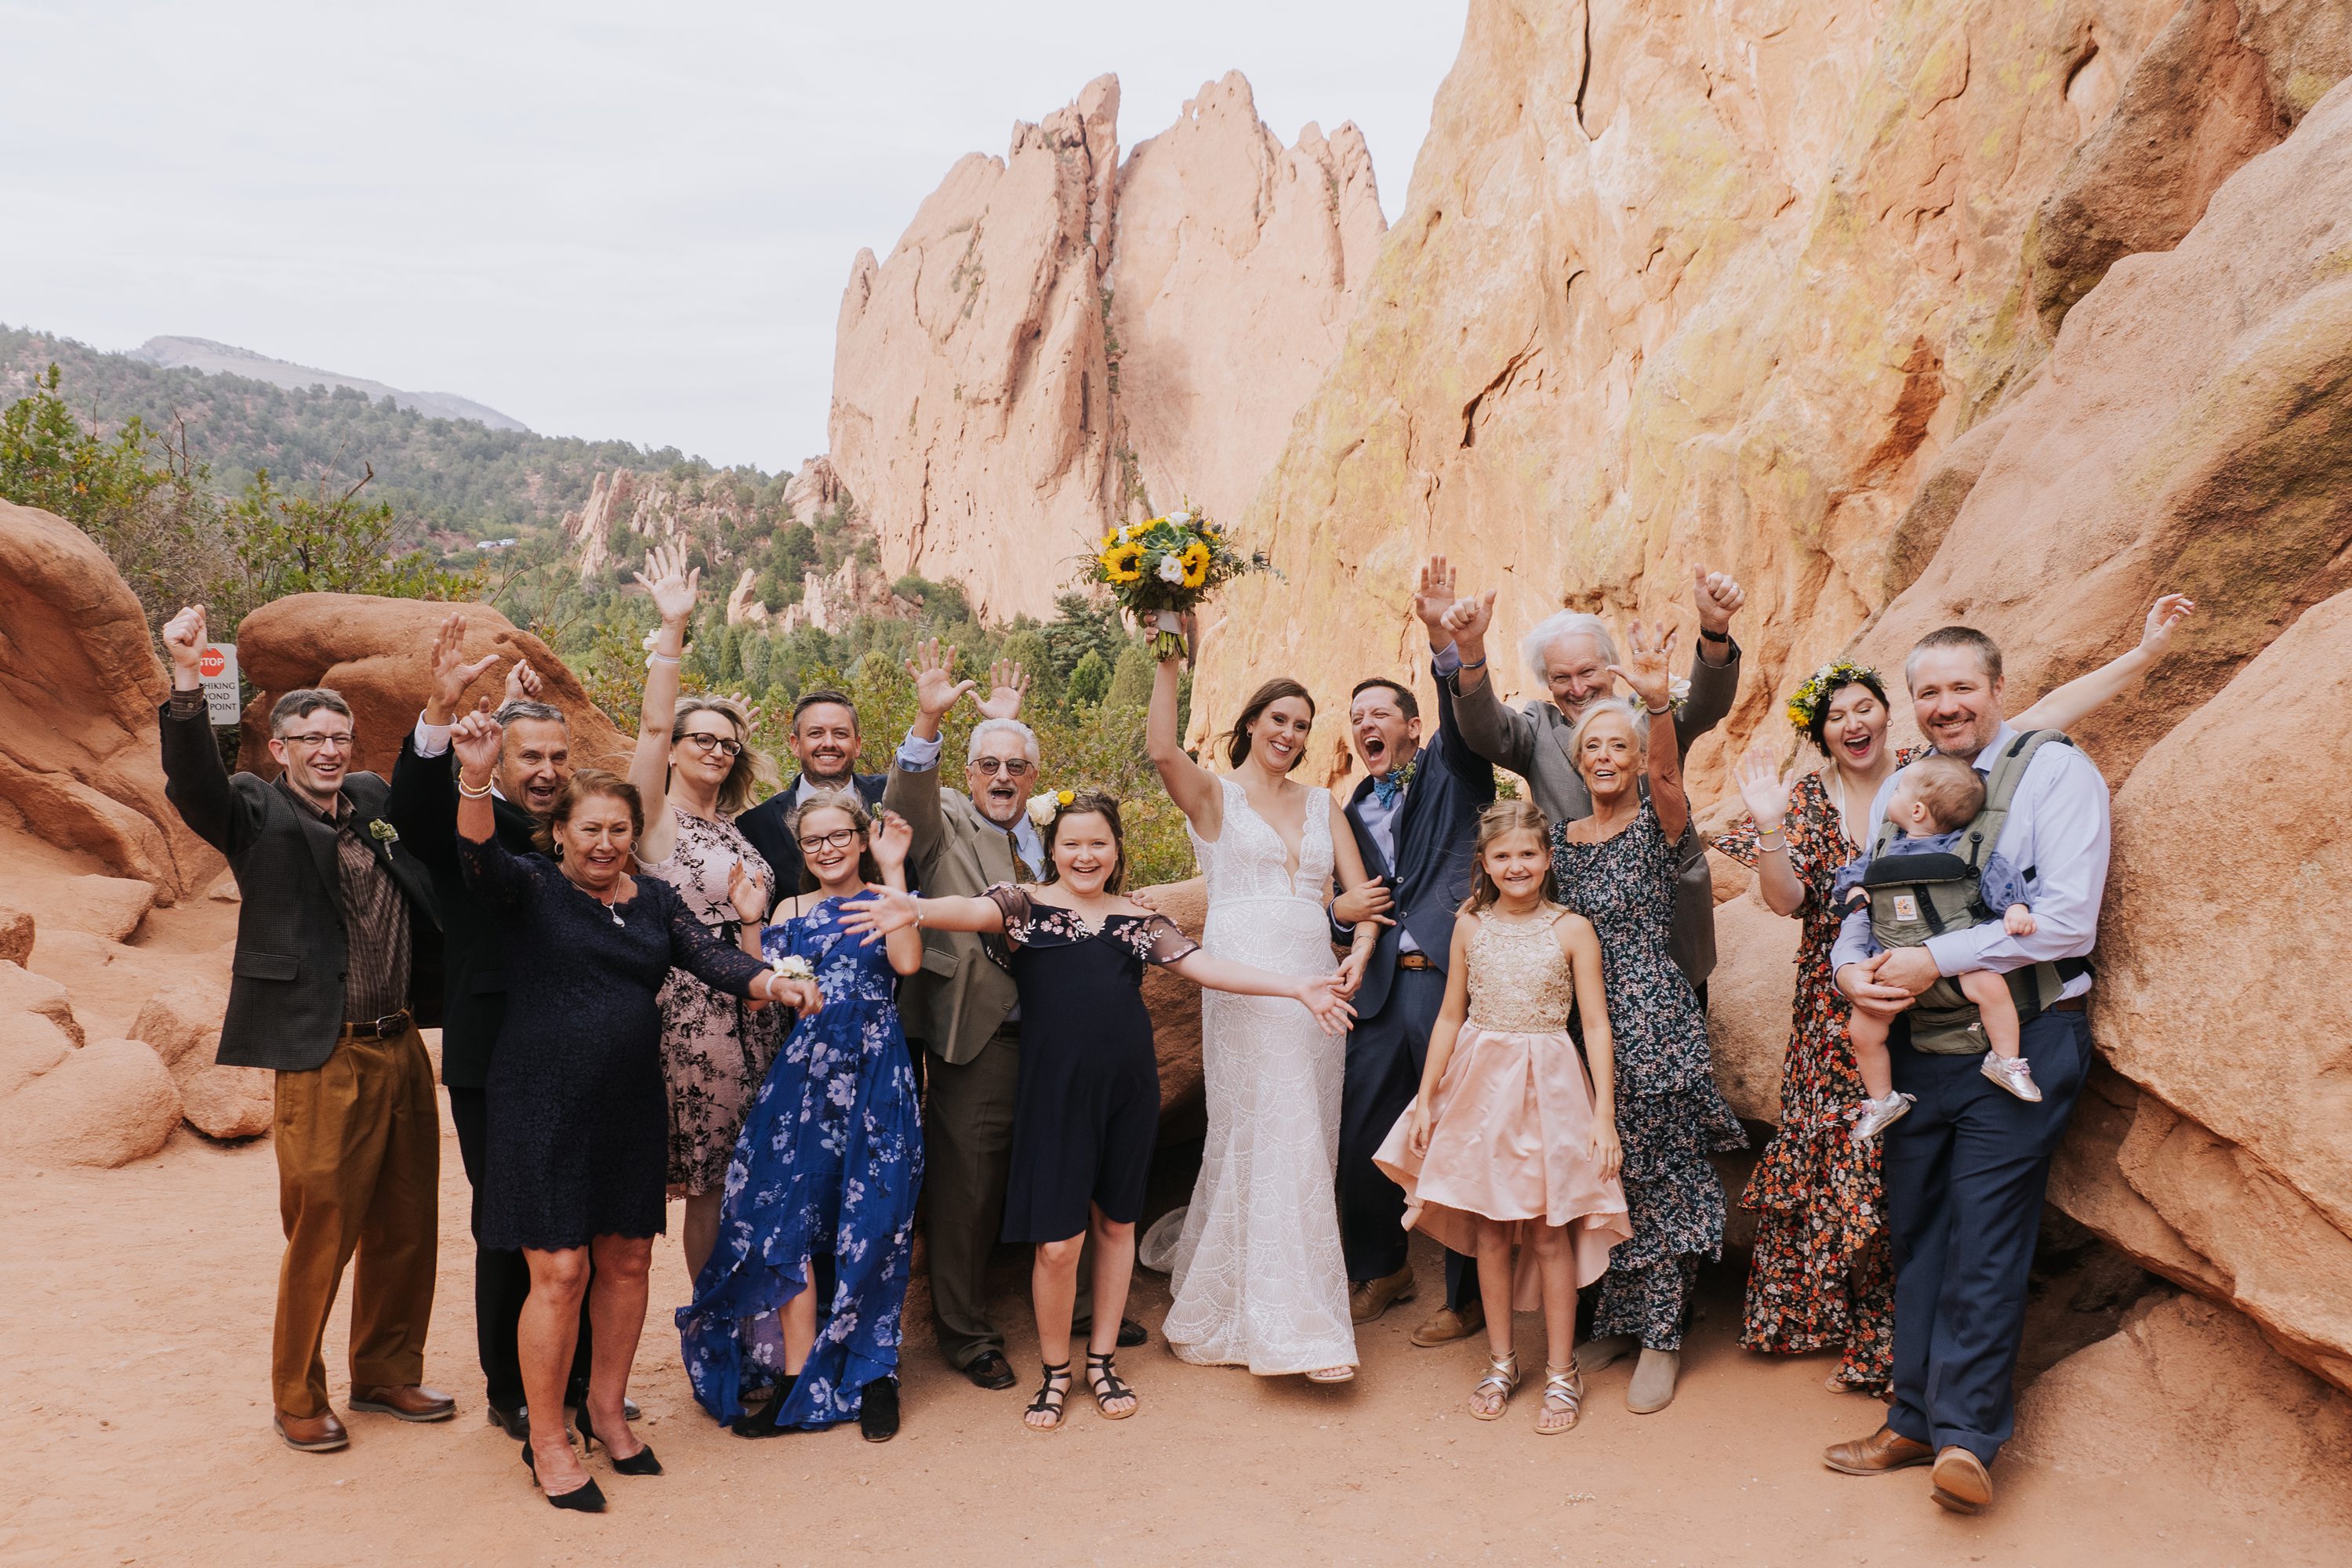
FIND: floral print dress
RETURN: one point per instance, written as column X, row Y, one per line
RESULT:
column 1821, row 1278
column 829, row 1163
column 1669, row 1115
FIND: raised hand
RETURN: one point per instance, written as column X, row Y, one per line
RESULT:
column 1719, row 598
column 1370, row 901
column 748, row 893
column 936, row 688
column 1321, row 997
column 184, row 639
column 1433, row 596
column 1762, row 787
column 877, row 912
column 1008, row 683
column 890, row 837
column 2163, row 616
column 1646, row 668
column 450, row 673
column 1466, row 620
column 475, row 739
column 674, row 589
column 523, row 684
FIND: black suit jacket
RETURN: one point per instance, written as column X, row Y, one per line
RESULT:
column 423, row 804
column 1436, row 833
column 285, row 982
column 764, row 824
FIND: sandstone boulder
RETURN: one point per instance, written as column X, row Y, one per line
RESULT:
column 375, row 652
column 182, row 1021
column 107, row 1104
column 79, row 687
column 1175, row 1006
column 1748, row 1002
column 15, row 935
column 30, row 1044
column 109, row 906
column 22, row 991
column 227, row 1103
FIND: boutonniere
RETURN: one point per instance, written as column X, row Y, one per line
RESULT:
column 1391, row 785
column 384, row 833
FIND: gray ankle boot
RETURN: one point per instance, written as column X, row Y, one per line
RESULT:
column 1652, row 1388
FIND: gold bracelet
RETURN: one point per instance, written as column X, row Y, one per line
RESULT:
column 471, row 794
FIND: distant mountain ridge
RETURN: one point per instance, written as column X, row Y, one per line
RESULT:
column 227, row 359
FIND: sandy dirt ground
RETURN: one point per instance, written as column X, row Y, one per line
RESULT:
column 135, row 1422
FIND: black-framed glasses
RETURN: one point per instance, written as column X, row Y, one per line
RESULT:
column 839, row 839
column 1014, row 767
column 725, row 745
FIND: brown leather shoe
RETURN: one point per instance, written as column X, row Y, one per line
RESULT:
column 409, row 1402
column 1962, row 1482
column 319, row 1433
column 1883, row 1450
column 1372, row 1296
column 1448, row 1324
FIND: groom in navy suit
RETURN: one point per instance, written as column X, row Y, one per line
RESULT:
column 1415, row 818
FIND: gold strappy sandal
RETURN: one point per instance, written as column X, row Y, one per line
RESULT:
column 1563, row 1394
column 1502, row 1378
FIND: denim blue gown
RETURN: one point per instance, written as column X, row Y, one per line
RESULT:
column 828, row 1163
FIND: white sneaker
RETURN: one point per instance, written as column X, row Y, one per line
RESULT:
column 1878, row 1115
column 2014, row 1075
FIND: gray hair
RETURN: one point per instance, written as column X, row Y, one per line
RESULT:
column 303, row 701
column 988, row 727
column 1633, row 712
column 1555, row 628
column 524, row 707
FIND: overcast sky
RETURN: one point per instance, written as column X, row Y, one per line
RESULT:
column 605, row 220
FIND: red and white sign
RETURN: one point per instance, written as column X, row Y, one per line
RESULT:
column 212, row 664
column 217, row 668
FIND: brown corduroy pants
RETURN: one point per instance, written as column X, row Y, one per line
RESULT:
column 359, row 1168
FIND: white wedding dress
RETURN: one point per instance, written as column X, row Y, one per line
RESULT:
column 1259, row 1278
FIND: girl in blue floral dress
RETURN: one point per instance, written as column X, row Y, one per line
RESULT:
column 827, row 1167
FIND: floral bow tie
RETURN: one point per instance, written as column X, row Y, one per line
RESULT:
column 1391, row 785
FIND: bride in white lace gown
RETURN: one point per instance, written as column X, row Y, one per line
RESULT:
column 1259, row 1278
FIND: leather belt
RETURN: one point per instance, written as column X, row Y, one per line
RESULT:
column 383, row 1029
column 1415, row 961
column 2069, row 1004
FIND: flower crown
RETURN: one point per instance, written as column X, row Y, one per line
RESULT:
column 1805, row 706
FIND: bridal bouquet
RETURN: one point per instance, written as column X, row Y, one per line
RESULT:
column 1160, row 569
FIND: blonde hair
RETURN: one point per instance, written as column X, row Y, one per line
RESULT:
column 1504, row 817
column 851, row 804
column 752, row 765
column 1634, row 713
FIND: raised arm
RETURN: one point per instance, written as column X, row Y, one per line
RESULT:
column 1581, row 946
column 674, row 590
column 889, row 838
column 1192, row 787
column 1715, row 662
column 194, row 780
column 2076, row 701
column 1505, row 739
column 421, row 803
column 1443, row 1035
column 881, row 912
column 494, row 875
column 1644, row 671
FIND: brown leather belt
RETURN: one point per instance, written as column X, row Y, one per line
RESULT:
column 2069, row 1004
column 384, row 1029
column 1415, row 961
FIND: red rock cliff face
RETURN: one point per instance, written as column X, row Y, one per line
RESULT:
column 1057, row 337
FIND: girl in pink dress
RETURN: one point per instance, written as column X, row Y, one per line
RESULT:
column 1509, row 1144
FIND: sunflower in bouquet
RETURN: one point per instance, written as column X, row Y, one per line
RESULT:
column 1159, row 569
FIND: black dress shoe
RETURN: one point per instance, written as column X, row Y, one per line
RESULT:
column 989, row 1369
column 1130, row 1334
column 878, row 1410
column 514, row 1422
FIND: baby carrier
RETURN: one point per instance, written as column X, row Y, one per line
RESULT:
column 1914, row 897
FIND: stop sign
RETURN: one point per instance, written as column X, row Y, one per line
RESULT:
column 212, row 663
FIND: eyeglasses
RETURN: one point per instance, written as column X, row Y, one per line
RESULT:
column 1015, row 767
column 839, row 839
column 341, row 741
column 722, row 744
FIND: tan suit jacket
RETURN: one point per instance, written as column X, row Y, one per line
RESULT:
column 961, row 995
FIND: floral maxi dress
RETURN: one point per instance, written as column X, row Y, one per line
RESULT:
column 1669, row 1115
column 1821, row 1278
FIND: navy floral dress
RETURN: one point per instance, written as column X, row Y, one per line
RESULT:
column 828, row 1164
column 1669, row 1115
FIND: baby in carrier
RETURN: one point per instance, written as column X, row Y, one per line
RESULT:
column 1934, row 800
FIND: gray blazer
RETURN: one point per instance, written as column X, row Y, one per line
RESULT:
column 961, row 995
column 1532, row 742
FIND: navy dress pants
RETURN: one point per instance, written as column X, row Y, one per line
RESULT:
column 1386, row 1053
column 1964, row 1173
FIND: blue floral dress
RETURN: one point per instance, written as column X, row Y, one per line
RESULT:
column 828, row 1164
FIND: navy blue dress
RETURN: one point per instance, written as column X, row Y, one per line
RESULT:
column 829, row 1162
column 576, row 1135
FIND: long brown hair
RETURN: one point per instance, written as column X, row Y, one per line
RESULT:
column 843, row 800
column 1098, row 803
column 1237, row 739
column 586, row 784
column 1504, row 817
column 752, row 765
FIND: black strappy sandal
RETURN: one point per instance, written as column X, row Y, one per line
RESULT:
column 762, row 1422
column 1105, row 1385
column 1050, row 1397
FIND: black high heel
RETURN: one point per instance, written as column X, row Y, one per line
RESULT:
column 586, row 1498
column 641, row 1463
column 762, row 1422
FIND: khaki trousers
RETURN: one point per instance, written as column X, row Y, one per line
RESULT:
column 359, row 1168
